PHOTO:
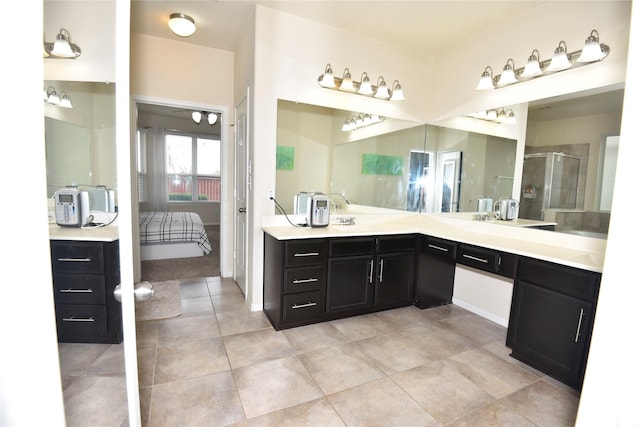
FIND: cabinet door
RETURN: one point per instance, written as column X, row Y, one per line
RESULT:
column 551, row 331
column 350, row 283
column 394, row 279
column 436, row 272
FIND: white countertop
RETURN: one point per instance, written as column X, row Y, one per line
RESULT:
column 516, row 237
column 108, row 233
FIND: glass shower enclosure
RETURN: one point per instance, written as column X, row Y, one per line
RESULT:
column 549, row 181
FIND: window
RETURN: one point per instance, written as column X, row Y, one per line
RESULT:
column 192, row 168
column 142, row 165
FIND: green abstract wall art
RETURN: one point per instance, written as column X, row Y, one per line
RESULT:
column 284, row 157
column 377, row 164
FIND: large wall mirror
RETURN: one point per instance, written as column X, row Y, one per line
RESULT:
column 390, row 164
column 80, row 141
column 570, row 158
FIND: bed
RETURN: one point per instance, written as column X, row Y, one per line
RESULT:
column 172, row 235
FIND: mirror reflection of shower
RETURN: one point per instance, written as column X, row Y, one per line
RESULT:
column 550, row 181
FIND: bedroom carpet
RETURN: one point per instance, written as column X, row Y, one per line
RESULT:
column 186, row 268
column 165, row 303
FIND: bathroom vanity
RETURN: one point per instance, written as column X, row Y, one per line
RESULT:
column 316, row 275
column 85, row 265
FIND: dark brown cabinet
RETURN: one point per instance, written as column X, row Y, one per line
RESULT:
column 85, row 275
column 436, row 272
column 294, row 281
column 489, row 260
column 552, row 318
column 370, row 273
column 313, row 280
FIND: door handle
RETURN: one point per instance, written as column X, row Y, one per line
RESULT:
column 141, row 291
column 242, row 210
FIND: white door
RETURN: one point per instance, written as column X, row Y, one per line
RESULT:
column 241, row 184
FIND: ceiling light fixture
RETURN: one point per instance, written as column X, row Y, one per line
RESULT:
column 197, row 116
column 360, row 121
column 62, row 48
column 181, row 24
column 593, row 51
column 364, row 87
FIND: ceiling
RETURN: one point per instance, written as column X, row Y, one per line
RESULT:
column 424, row 26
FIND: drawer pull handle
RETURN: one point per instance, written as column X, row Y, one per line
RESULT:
column 76, row 291
column 78, row 319
column 307, row 254
column 309, row 280
column 579, row 325
column 74, row 259
column 309, row 304
column 440, row 248
column 476, row 258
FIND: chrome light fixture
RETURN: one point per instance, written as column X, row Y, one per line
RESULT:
column 360, row 121
column 51, row 96
column 592, row 50
column 396, row 92
column 508, row 76
column 532, row 69
column 382, row 92
column 486, row 80
column 197, row 116
column 181, row 24
column 62, row 47
column 560, row 60
column 498, row 115
column 347, row 82
column 65, row 102
column 364, row 87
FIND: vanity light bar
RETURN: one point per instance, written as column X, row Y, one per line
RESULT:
column 364, row 87
column 593, row 51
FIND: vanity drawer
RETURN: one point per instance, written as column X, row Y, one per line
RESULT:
column 482, row 259
column 439, row 247
column 77, row 322
column 77, row 257
column 78, row 289
column 303, row 279
column 305, row 252
column 302, row 307
column 570, row 281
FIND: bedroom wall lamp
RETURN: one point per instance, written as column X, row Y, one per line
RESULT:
column 593, row 51
column 57, row 98
column 197, row 116
column 62, row 48
column 363, row 87
column 361, row 120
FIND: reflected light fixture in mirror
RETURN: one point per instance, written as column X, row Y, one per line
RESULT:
column 499, row 115
column 62, row 48
column 181, row 24
column 359, row 121
column 197, row 116
column 593, row 51
column 364, row 87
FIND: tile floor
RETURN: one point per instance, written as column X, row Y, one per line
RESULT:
column 220, row 364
